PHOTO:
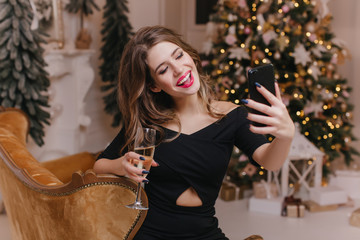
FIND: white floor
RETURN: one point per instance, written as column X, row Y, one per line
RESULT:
column 238, row 223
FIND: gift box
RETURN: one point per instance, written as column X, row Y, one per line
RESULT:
column 264, row 189
column 312, row 206
column 292, row 207
column 347, row 180
column 355, row 218
column 265, row 205
column 228, row 192
column 245, row 191
column 328, row 195
column 295, row 210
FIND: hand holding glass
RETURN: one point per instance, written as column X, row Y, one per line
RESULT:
column 145, row 148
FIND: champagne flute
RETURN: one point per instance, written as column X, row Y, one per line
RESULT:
column 145, row 148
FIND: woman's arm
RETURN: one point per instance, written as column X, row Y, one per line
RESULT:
column 278, row 123
column 122, row 166
column 110, row 161
column 114, row 166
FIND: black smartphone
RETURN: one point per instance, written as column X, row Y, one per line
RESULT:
column 264, row 75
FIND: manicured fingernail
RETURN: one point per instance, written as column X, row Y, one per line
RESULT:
column 244, row 101
column 145, row 181
column 142, row 158
column 257, row 84
column 145, row 172
column 275, row 80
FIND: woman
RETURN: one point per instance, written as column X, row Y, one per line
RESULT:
column 161, row 86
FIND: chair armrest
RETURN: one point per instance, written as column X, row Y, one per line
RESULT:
column 64, row 167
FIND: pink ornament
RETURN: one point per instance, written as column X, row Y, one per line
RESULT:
column 334, row 58
column 346, row 94
column 312, row 37
column 230, row 39
column 247, row 30
column 243, row 158
column 286, row 100
column 242, row 4
column 308, row 109
column 226, row 82
column 285, row 8
column 266, row 38
column 250, row 169
column 204, row 63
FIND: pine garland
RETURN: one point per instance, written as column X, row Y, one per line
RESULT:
column 23, row 80
column 116, row 32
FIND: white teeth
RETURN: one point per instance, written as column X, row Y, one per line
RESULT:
column 184, row 80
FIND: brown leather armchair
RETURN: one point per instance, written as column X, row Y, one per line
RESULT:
column 63, row 198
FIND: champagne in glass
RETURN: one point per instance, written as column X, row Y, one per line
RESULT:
column 148, row 154
column 145, row 148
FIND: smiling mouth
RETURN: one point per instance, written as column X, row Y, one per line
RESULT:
column 185, row 80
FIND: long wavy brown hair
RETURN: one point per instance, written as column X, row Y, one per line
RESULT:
column 141, row 107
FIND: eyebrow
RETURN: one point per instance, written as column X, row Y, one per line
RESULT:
column 172, row 54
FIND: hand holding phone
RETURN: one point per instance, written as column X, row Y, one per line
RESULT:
column 264, row 75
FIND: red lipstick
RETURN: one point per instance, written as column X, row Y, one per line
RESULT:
column 186, row 80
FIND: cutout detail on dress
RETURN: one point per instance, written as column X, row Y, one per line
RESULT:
column 189, row 198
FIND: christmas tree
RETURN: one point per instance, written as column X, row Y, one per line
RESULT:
column 295, row 36
column 116, row 32
column 23, row 80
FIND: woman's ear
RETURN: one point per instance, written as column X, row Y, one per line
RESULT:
column 155, row 89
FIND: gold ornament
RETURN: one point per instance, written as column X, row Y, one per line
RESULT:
column 320, row 32
column 309, row 82
column 326, row 20
column 214, row 62
column 298, row 30
column 283, row 42
column 299, row 81
column 287, row 29
column 343, row 107
column 267, row 26
column 301, row 71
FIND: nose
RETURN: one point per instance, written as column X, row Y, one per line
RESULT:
column 177, row 68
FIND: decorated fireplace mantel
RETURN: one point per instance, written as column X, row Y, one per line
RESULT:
column 71, row 76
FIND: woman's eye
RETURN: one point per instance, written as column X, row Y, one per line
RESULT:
column 163, row 71
column 180, row 55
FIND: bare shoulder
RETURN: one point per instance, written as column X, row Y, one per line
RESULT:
column 223, row 107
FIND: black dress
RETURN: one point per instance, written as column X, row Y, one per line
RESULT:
column 198, row 160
